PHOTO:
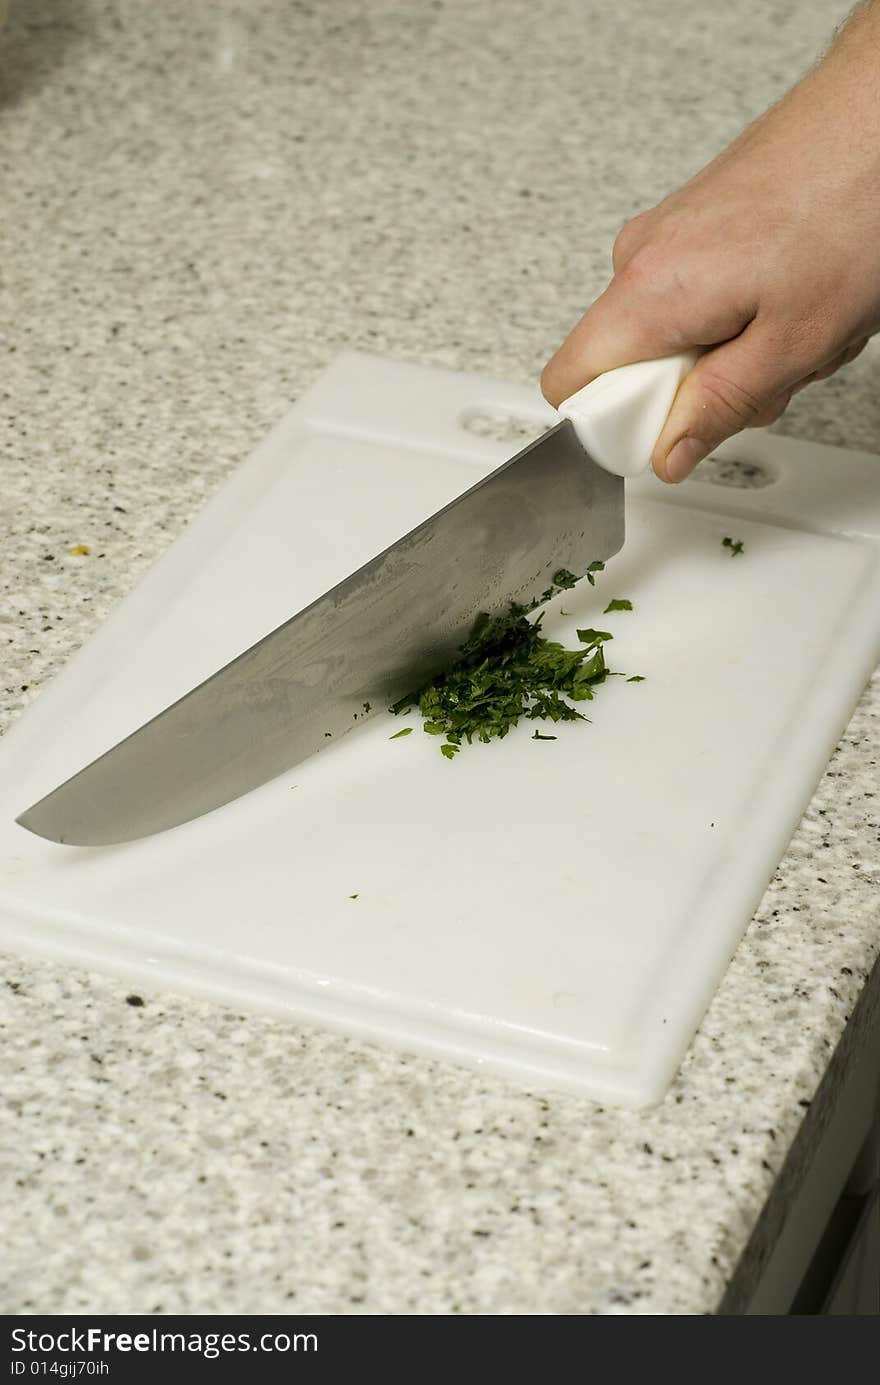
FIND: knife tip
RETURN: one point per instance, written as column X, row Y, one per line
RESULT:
column 29, row 820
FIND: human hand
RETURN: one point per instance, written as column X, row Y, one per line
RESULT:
column 770, row 257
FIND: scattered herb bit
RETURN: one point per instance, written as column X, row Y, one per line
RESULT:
column 79, row 550
column 506, row 670
column 594, row 567
column 135, row 1000
column 352, row 896
column 328, row 733
column 367, row 706
column 563, row 580
column 407, row 730
column 618, row 604
column 636, row 678
column 735, row 547
column 536, row 736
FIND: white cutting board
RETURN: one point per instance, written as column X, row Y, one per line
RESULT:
column 558, row 911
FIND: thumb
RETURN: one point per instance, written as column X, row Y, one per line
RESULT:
column 744, row 383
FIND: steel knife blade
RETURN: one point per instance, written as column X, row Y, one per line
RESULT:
column 383, row 631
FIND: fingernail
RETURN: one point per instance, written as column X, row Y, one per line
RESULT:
column 685, row 455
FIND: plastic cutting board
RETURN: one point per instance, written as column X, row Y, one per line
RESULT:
column 558, row 911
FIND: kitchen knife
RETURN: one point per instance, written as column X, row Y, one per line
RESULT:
column 384, row 630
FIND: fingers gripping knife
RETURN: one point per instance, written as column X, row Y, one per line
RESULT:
column 619, row 416
column 387, row 628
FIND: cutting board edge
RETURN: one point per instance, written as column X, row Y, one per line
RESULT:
column 842, row 689
column 277, row 997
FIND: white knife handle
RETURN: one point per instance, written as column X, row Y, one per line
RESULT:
column 619, row 416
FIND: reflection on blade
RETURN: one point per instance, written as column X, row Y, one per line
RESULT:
column 388, row 627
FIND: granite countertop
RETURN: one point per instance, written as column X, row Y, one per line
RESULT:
column 203, row 204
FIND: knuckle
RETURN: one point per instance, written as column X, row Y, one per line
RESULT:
column 772, row 410
column 854, row 350
column 830, row 368
column 733, row 403
column 628, row 239
column 646, row 265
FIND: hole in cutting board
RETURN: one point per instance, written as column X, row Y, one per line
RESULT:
column 507, row 428
column 735, row 472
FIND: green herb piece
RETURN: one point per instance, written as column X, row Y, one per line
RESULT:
column 353, row 896
column 506, row 670
column 636, row 678
column 536, row 736
column 618, row 604
column 407, row 731
column 735, row 547
column 367, row 706
column 564, row 580
column 328, row 733
column 594, row 567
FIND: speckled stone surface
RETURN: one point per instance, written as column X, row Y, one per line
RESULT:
column 202, row 204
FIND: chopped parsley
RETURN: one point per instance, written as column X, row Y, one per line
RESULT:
column 618, row 604
column 563, row 581
column 407, row 731
column 735, row 547
column 508, row 669
column 636, row 678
